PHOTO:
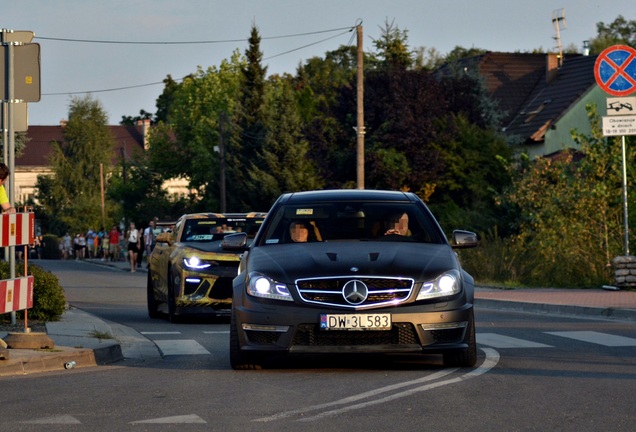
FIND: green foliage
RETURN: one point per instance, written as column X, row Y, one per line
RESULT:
column 393, row 47
column 48, row 295
column 73, row 195
column 570, row 213
column 497, row 260
column 618, row 32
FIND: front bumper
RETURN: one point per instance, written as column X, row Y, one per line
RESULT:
column 292, row 328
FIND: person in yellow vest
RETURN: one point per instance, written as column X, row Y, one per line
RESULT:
column 4, row 199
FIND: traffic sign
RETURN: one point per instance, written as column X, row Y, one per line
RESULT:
column 615, row 70
column 621, row 106
column 23, row 36
column 619, row 125
column 26, row 72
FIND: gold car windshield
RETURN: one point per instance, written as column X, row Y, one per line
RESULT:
column 212, row 229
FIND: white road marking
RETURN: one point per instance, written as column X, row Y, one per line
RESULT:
column 217, row 332
column 598, row 338
column 183, row 419
column 492, row 358
column 60, row 419
column 181, row 347
column 500, row 341
column 161, row 333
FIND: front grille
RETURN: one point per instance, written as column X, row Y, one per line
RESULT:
column 448, row 335
column 380, row 291
column 311, row 335
column 262, row 337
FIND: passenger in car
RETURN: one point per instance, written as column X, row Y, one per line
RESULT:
column 298, row 232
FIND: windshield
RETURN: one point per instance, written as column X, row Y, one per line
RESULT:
column 352, row 221
column 210, row 229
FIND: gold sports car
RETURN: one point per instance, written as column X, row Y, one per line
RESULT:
column 192, row 267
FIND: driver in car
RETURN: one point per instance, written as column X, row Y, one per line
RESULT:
column 397, row 224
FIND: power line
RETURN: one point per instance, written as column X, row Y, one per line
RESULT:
column 348, row 29
column 187, row 42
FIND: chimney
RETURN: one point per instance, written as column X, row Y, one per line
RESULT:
column 145, row 128
column 552, row 67
column 63, row 123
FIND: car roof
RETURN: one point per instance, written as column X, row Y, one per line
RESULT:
column 347, row 194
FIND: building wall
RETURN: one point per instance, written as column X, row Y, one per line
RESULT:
column 559, row 136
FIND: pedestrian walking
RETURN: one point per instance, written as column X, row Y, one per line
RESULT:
column 134, row 243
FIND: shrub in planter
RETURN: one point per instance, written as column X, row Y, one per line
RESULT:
column 48, row 295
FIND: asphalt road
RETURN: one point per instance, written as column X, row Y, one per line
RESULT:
column 534, row 372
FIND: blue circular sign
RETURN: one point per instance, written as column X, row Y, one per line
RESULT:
column 615, row 70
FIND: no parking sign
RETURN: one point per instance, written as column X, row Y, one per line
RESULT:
column 615, row 70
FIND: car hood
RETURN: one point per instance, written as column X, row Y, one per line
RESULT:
column 210, row 246
column 288, row 262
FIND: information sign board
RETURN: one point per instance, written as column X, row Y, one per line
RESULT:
column 619, row 125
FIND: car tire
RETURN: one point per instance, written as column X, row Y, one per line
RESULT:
column 153, row 311
column 467, row 358
column 172, row 303
column 240, row 360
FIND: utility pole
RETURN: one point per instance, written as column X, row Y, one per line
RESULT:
column 360, row 122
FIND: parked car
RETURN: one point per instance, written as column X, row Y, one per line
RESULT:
column 190, row 271
column 352, row 271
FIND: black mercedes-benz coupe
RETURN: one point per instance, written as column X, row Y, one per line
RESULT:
column 348, row 272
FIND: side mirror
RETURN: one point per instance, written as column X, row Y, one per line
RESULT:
column 464, row 239
column 164, row 238
column 236, row 241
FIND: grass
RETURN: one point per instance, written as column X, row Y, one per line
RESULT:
column 100, row 335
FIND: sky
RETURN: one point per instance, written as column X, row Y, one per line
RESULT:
column 180, row 35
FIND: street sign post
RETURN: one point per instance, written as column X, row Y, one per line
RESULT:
column 615, row 73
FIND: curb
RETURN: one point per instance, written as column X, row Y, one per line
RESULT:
column 555, row 309
column 25, row 362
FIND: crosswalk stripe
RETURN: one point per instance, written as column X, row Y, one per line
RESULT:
column 500, row 341
column 181, row 347
column 597, row 338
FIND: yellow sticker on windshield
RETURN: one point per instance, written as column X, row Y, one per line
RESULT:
column 304, row 211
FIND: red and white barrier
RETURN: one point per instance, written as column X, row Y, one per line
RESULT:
column 16, row 294
column 16, row 229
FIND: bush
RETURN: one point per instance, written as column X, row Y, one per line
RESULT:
column 48, row 295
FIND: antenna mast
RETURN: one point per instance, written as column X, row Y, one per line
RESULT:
column 559, row 23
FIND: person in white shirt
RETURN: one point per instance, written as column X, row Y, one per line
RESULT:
column 134, row 241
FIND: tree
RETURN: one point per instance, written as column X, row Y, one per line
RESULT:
column 393, row 48
column 248, row 135
column 570, row 226
column 194, row 132
column 73, row 195
column 165, row 99
column 284, row 163
column 618, row 32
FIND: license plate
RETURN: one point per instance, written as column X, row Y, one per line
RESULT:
column 355, row 321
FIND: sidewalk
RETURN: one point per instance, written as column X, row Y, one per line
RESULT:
column 81, row 337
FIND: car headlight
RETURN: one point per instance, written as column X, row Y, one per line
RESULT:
column 259, row 285
column 444, row 285
column 195, row 263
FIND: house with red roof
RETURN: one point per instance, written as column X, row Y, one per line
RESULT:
column 34, row 159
